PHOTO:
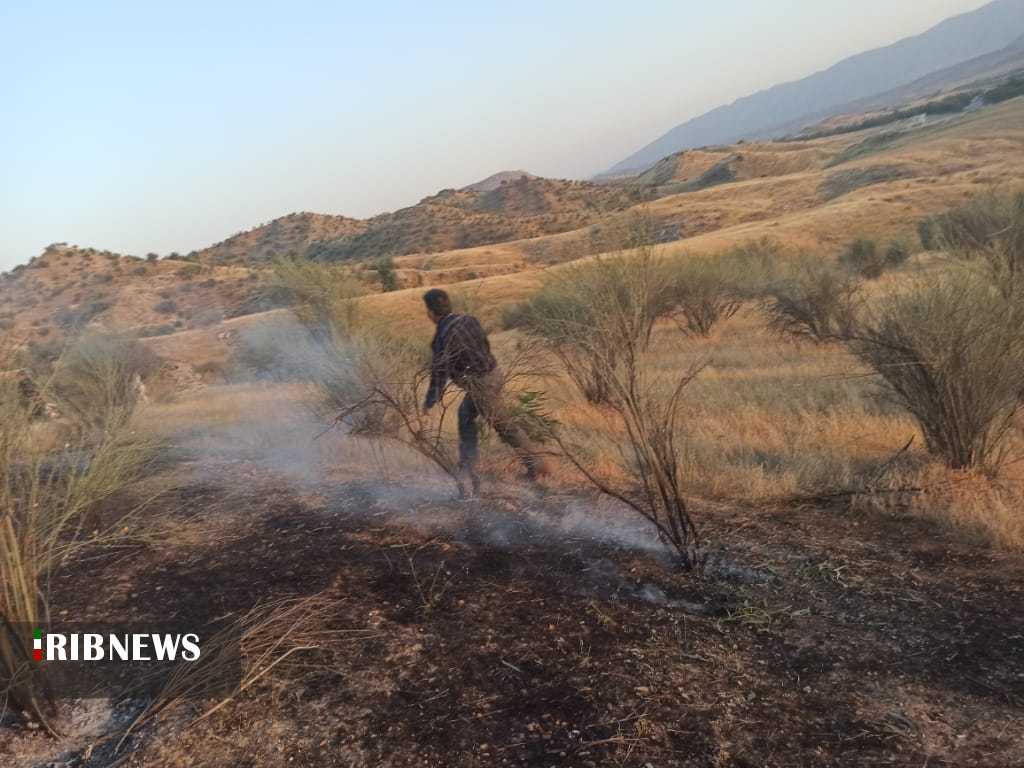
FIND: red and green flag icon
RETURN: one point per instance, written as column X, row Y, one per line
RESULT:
column 37, row 645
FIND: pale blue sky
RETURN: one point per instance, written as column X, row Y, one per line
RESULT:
column 139, row 127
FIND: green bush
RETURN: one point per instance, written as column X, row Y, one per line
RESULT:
column 702, row 292
column 926, row 233
column 71, row 319
column 862, row 257
column 599, row 314
column 323, row 294
column 1011, row 89
column 95, row 377
column 189, row 272
column 990, row 228
column 896, row 254
column 156, row 330
column 811, row 299
column 515, row 316
column 386, row 274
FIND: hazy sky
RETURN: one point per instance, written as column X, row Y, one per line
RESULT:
column 136, row 127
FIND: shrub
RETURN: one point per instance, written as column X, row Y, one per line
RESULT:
column 387, row 275
column 597, row 318
column 702, row 292
column 896, row 254
column 811, row 299
column 71, row 319
column 862, row 257
column 156, row 330
column 582, row 306
column 151, row 257
column 515, row 316
column 926, row 233
column 207, row 317
column 47, row 502
column 166, row 307
column 989, row 227
column 97, row 377
column 324, row 294
column 189, row 272
column 951, row 353
column 843, row 182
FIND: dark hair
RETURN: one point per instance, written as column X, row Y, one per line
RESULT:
column 438, row 302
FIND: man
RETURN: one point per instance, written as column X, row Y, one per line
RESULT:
column 462, row 353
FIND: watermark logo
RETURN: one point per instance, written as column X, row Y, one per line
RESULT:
column 127, row 647
column 109, row 659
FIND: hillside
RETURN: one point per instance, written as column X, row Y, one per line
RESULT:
column 67, row 289
column 956, row 40
column 293, row 233
column 507, row 206
column 876, row 183
column 816, row 194
column 526, row 207
column 496, row 180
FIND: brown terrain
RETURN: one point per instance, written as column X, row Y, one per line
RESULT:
column 506, row 206
column 548, row 627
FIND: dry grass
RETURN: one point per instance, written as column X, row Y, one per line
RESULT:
column 47, row 503
column 272, row 639
column 768, row 418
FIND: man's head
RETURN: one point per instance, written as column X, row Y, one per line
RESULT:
column 438, row 304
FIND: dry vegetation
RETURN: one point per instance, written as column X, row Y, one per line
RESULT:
column 820, row 421
column 52, row 495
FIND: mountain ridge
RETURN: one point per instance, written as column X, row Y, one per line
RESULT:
column 952, row 41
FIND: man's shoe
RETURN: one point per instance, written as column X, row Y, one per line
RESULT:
column 469, row 486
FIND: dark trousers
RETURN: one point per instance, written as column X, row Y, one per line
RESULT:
column 483, row 399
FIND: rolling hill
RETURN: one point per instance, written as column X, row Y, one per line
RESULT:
column 293, row 233
column 768, row 113
column 506, row 206
column 814, row 194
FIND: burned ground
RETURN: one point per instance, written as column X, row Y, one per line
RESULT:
column 818, row 637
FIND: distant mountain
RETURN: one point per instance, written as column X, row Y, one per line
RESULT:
column 973, row 74
column 989, row 66
column 959, row 39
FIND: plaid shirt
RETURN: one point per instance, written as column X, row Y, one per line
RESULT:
column 460, row 351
